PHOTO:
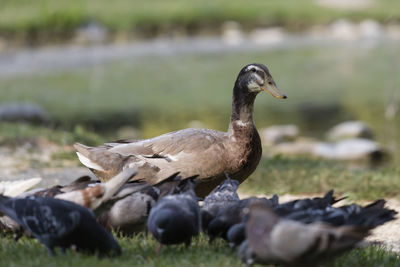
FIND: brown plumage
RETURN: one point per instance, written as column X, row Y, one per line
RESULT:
column 93, row 196
column 206, row 153
column 78, row 184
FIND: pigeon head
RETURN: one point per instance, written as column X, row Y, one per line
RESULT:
column 228, row 185
column 170, row 226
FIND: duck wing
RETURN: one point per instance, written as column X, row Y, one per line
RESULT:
column 190, row 152
column 170, row 144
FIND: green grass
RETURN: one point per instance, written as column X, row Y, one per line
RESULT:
column 281, row 175
column 140, row 250
column 137, row 251
column 52, row 19
column 16, row 133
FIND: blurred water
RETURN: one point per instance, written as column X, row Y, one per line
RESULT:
column 69, row 57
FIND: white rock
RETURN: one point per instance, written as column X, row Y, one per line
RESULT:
column 370, row 29
column 232, row 33
column 278, row 134
column 350, row 129
column 350, row 149
column 302, row 146
column 344, row 29
column 265, row 36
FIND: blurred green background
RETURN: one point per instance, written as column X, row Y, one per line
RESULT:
column 48, row 19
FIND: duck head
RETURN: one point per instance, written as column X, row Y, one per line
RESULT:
column 255, row 78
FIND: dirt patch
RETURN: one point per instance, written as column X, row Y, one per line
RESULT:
column 389, row 233
column 27, row 161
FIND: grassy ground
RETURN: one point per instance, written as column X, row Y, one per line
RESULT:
column 282, row 175
column 140, row 250
column 51, row 19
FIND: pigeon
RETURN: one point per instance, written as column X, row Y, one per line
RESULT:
column 129, row 215
column 321, row 210
column 225, row 219
column 221, row 198
column 82, row 191
column 93, row 196
column 175, row 219
column 271, row 239
column 79, row 184
column 130, row 207
column 60, row 223
column 15, row 188
column 317, row 203
column 236, row 234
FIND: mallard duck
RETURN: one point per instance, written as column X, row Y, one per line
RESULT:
column 203, row 152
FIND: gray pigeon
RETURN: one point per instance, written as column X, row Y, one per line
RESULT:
column 129, row 215
column 221, row 198
column 60, row 223
column 176, row 218
column 271, row 239
column 130, row 207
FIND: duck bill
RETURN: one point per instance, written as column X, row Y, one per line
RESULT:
column 274, row 91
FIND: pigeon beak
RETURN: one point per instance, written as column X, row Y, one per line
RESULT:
column 273, row 90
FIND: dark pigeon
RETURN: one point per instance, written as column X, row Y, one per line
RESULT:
column 226, row 218
column 317, row 203
column 60, row 223
column 236, row 234
column 369, row 216
column 176, row 218
column 221, row 198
